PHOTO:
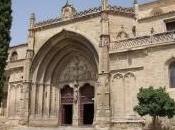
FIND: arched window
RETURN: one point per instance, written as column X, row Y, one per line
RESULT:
column 14, row 56
column 172, row 75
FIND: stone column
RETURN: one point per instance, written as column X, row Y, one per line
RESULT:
column 8, row 100
column 40, row 99
column 48, row 86
column 57, row 103
column 33, row 100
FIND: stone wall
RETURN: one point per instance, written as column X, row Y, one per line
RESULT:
column 90, row 28
column 122, row 51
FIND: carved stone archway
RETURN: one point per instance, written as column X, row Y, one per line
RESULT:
column 78, row 72
column 67, row 59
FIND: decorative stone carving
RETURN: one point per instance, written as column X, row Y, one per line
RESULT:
column 156, row 39
column 68, row 11
column 134, row 31
column 76, row 91
column 16, row 76
column 14, row 56
column 29, row 54
column 156, row 11
column 78, row 69
column 117, row 76
column 129, row 75
column 152, row 30
column 122, row 34
column 129, row 12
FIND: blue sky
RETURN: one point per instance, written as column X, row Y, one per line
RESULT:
column 45, row 9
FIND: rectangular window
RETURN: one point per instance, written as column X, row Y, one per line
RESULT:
column 170, row 26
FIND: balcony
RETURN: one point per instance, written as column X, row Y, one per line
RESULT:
column 143, row 42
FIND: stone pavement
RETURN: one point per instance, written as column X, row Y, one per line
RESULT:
column 5, row 124
column 56, row 128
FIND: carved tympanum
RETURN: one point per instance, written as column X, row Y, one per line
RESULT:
column 77, row 69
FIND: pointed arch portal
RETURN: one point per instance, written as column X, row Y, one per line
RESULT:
column 63, row 74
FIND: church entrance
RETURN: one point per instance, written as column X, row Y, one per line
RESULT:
column 67, row 114
column 66, row 105
column 88, row 114
column 86, row 104
column 77, row 96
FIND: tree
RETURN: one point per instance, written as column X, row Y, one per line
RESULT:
column 156, row 103
column 5, row 25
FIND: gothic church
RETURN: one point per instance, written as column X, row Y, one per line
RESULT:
column 85, row 68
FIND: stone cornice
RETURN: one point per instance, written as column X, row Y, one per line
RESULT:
column 155, row 4
column 15, row 64
column 89, row 13
column 126, row 69
column 18, row 46
column 156, row 16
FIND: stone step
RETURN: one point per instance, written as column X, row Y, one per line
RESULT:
column 56, row 128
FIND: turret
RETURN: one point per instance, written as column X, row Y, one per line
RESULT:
column 136, row 9
column 32, row 20
column 68, row 11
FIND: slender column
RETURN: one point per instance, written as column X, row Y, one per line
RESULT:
column 8, row 100
column 33, row 100
column 48, row 100
column 41, row 90
column 136, row 9
column 57, row 104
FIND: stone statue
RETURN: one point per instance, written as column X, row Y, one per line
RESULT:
column 76, row 90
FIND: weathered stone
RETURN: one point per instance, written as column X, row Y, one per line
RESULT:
column 110, row 49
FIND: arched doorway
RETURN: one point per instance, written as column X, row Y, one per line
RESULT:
column 76, row 71
column 67, row 59
column 66, row 105
column 86, row 104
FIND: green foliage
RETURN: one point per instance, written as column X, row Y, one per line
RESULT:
column 155, row 102
column 5, row 25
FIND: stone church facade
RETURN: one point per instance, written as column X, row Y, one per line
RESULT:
column 86, row 68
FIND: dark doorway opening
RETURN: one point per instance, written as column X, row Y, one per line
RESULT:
column 88, row 114
column 68, row 114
